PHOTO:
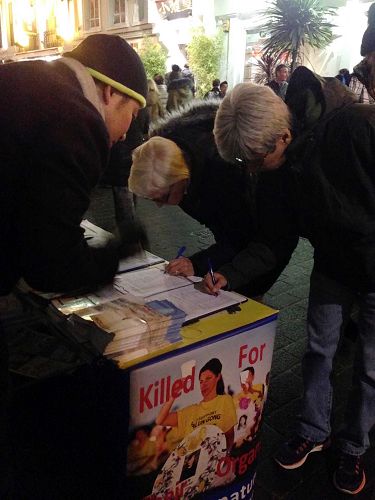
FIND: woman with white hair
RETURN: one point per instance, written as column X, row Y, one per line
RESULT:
column 326, row 193
column 180, row 165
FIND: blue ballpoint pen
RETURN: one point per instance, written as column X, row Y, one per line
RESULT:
column 180, row 252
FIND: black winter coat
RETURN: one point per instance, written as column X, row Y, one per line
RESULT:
column 53, row 149
column 325, row 191
column 219, row 194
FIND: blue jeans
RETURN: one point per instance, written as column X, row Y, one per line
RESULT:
column 329, row 306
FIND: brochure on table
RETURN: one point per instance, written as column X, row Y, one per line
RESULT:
column 145, row 308
column 209, row 447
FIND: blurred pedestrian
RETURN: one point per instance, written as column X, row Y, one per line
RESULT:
column 153, row 103
column 162, row 88
column 187, row 73
column 214, row 93
column 368, row 39
column 359, row 89
column 365, row 70
column 175, row 74
column 280, row 84
column 180, row 93
column 344, row 76
column 223, row 89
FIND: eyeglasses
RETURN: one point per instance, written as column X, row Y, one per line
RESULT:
column 253, row 165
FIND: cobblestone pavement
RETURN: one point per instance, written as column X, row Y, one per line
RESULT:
column 168, row 229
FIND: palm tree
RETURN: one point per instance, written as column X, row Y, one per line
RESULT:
column 265, row 69
column 292, row 24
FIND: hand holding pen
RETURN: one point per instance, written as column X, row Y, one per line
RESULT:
column 212, row 276
column 180, row 266
column 213, row 282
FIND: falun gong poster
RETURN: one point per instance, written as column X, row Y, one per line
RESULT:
column 195, row 417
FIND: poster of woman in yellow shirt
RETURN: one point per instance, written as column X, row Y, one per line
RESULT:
column 215, row 408
column 249, row 404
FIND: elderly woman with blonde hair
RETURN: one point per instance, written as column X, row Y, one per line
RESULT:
column 180, row 165
column 159, row 172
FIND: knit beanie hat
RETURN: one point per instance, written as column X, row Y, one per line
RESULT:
column 110, row 59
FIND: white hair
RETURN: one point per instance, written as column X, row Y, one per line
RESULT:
column 250, row 119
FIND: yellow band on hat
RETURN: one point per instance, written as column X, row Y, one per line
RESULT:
column 118, row 86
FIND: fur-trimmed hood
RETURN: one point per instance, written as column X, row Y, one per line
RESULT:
column 198, row 113
column 191, row 128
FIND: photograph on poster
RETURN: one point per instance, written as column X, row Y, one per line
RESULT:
column 190, row 466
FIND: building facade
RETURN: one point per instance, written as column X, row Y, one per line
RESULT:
column 46, row 28
column 39, row 28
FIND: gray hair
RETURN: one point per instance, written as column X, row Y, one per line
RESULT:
column 250, row 120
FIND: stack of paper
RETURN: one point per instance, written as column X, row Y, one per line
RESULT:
column 177, row 318
column 138, row 261
column 136, row 327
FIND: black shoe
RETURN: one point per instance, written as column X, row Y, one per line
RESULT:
column 349, row 477
column 294, row 452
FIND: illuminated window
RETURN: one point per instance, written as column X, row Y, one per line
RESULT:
column 119, row 12
column 92, row 14
column 139, row 11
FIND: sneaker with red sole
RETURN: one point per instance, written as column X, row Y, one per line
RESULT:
column 294, row 452
column 349, row 477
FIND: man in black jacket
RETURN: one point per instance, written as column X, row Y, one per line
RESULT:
column 58, row 122
column 318, row 181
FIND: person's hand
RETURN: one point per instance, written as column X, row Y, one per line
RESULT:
column 180, row 267
column 208, row 285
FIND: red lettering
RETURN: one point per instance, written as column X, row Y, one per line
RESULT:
column 177, row 388
column 242, row 355
column 162, row 391
column 251, row 456
column 223, row 466
column 253, row 355
column 242, row 468
column 168, row 396
column 188, row 383
column 144, row 399
column 156, row 394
